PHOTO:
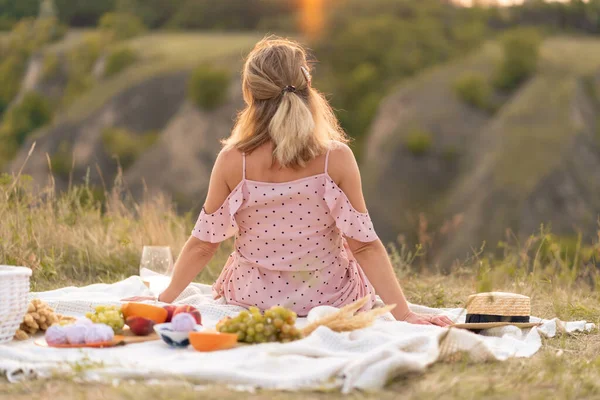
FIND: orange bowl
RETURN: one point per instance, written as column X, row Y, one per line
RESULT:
column 212, row 341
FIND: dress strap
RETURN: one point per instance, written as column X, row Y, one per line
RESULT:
column 327, row 160
column 243, row 166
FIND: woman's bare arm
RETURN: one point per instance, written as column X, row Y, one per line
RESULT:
column 194, row 256
column 374, row 261
column 196, row 253
column 372, row 256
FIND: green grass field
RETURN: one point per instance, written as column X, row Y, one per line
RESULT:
column 72, row 239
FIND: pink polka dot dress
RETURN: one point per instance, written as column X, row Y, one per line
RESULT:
column 290, row 248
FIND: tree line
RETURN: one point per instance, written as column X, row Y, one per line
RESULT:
column 169, row 14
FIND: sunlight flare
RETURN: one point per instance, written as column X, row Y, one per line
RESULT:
column 312, row 17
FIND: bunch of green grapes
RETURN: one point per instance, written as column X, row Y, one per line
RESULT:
column 277, row 324
column 109, row 315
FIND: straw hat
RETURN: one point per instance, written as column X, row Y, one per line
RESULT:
column 489, row 310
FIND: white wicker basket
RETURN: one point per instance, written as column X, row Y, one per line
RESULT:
column 14, row 288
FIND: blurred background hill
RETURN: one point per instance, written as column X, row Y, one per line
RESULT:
column 469, row 123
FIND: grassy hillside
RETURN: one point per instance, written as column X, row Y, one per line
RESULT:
column 538, row 122
column 529, row 161
column 161, row 53
column 140, row 100
column 400, row 184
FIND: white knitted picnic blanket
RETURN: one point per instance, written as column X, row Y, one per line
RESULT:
column 363, row 359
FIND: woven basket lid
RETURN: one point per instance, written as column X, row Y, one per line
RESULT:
column 499, row 303
column 9, row 270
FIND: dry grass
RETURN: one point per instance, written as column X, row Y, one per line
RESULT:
column 74, row 239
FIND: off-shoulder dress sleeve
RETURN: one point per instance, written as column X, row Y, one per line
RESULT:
column 350, row 222
column 221, row 224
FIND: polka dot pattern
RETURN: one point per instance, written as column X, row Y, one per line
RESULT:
column 354, row 224
column 290, row 248
column 221, row 224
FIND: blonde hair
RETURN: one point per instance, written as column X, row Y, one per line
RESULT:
column 282, row 107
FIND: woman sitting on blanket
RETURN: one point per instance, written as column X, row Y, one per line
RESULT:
column 289, row 188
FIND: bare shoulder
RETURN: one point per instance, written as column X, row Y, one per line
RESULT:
column 229, row 155
column 342, row 162
column 228, row 166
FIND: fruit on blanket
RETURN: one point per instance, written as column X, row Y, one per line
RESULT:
column 277, row 324
column 170, row 310
column 76, row 333
column 56, row 334
column 212, row 341
column 98, row 333
column 39, row 317
column 155, row 313
column 183, row 322
column 140, row 326
column 190, row 310
column 109, row 315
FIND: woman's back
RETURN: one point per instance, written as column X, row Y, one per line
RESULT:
column 289, row 226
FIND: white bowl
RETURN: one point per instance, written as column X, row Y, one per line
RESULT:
column 173, row 338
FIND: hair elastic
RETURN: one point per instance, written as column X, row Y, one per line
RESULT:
column 289, row 88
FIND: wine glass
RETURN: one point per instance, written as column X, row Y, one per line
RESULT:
column 156, row 267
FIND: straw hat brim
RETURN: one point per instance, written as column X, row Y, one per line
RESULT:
column 488, row 325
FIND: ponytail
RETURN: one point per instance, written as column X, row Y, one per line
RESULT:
column 291, row 128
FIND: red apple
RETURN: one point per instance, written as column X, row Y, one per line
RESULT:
column 190, row 310
column 170, row 310
column 140, row 326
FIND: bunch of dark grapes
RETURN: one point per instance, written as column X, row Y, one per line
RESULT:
column 277, row 324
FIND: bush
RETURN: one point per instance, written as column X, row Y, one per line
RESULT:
column 27, row 36
column 473, row 89
column 208, row 87
column 76, row 86
column 119, row 59
column 521, row 49
column 126, row 145
column 50, row 66
column 418, row 141
column 121, row 26
column 62, row 160
column 82, row 58
column 8, row 149
column 31, row 34
column 11, row 70
column 80, row 64
column 31, row 113
column 6, row 23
